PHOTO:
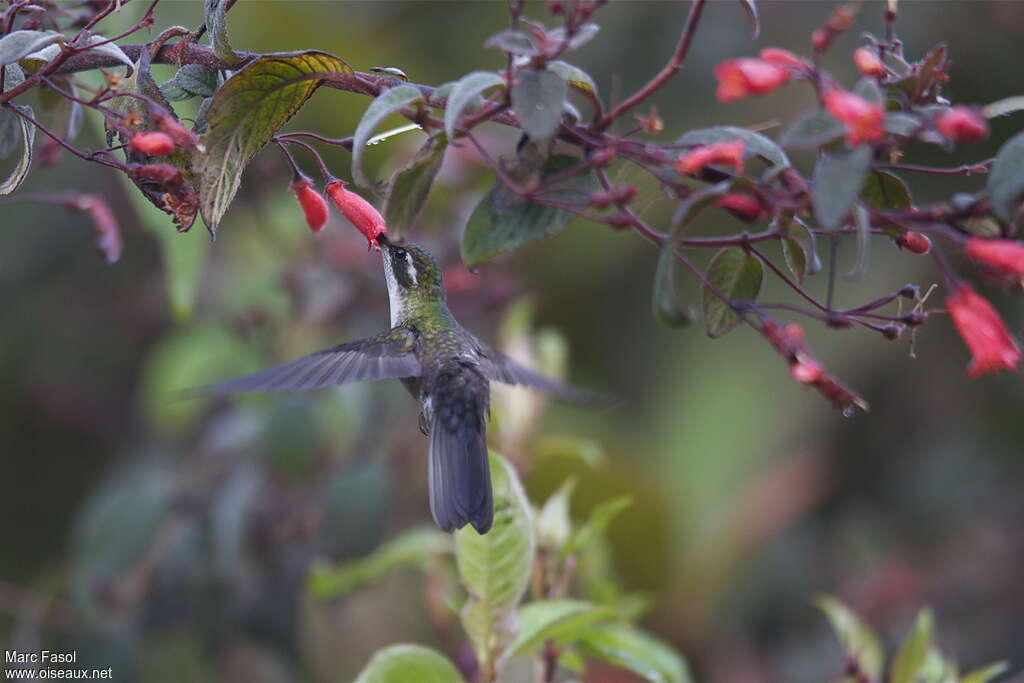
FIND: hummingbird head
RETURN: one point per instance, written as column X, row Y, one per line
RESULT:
column 414, row 278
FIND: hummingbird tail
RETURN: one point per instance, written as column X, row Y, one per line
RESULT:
column 458, row 469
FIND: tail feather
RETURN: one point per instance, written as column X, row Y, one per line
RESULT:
column 458, row 469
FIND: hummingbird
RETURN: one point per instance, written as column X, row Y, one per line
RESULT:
column 442, row 365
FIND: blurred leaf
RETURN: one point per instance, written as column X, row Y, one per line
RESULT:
column 504, row 221
column 465, row 92
column 738, row 276
column 246, row 111
column 28, row 135
column 229, row 516
column 854, row 636
column 18, row 44
column 811, row 130
column 799, row 250
column 861, row 221
column 537, row 98
column 838, row 178
column 867, row 88
column 561, row 620
column 597, row 523
column 410, row 186
column 1006, row 181
column 108, row 49
column 750, row 6
column 633, row 649
column 587, row 451
column 405, row 663
column 414, row 546
column 553, row 522
column 191, row 80
column 495, row 567
column 574, row 76
column 913, row 653
column 883, row 190
column 584, row 34
column 513, row 42
column 383, row 105
column 217, row 27
column 985, row 673
column 667, row 303
column 753, row 143
column 289, row 439
column 902, row 124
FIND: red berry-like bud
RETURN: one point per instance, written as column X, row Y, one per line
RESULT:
column 805, row 372
column 357, row 210
column 602, row 157
column 556, row 7
column 312, row 202
column 783, row 58
column 962, row 124
column 867, row 62
column 739, row 78
column 819, row 39
column 915, row 242
column 863, row 119
column 744, row 205
column 152, row 143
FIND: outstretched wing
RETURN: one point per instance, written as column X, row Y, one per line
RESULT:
column 386, row 356
column 498, row 367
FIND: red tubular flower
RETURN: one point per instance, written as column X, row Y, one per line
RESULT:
column 1004, row 257
column 915, row 242
column 983, row 331
column 743, row 204
column 358, row 211
column 739, row 78
column 312, row 202
column 728, row 153
column 783, row 58
column 863, row 120
column 152, row 143
column 867, row 62
column 962, row 124
column 181, row 136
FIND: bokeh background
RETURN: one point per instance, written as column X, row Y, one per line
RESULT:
column 171, row 539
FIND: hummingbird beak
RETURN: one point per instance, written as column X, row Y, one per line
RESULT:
column 382, row 241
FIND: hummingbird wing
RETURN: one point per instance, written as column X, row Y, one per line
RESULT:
column 385, row 356
column 496, row 366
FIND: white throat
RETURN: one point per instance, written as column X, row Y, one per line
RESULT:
column 394, row 293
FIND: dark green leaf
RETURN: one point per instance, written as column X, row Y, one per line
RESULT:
column 537, row 99
column 217, row 27
column 191, row 80
column 738, row 277
column 800, row 251
column 18, row 44
column 1006, row 181
column 27, row 134
column 404, row 663
column 465, row 92
column 513, row 42
column 750, row 6
column 854, row 636
column 883, row 190
column 384, row 105
column 902, row 124
column 415, row 546
column 838, row 179
column 246, row 111
column 985, row 673
column 108, row 49
column 560, row 620
column 633, row 649
column 754, row 143
column 913, row 653
column 667, row 304
column 410, row 186
column 813, row 129
column 504, row 221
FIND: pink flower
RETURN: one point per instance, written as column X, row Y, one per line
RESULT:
column 313, row 204
column 739, row 78
column 727, row 153
column 152, row 143
column 962, row 124
column 983, row 331
column 1005, row 257
column 357, row 210
column 863, row 120
column 867, row 61
column 742, row 204
column 783, row 58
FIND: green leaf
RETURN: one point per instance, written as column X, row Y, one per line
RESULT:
column 108, row 49
column 561, row 620
column 28, row 135
column 666, row 302
column 750, row 6
column 553, row 522
column 537, row 99
column 913, row 653
column 405, row 663
column 868, row 89
column 1006, row 181
column 191, row 80
column 217, row 27
column 813, row 129
column 597, row 523
column 574, row 76
column 738, row 276
column 754, row 143
column 513, row 42
column 387, row 103
column 465, row 92
column 985, row 673
column 854, row 636
column 495, row 567
column 633, row 649
column 18, row 44
column 246, row 111
column 504, row 221
column 410, row 186
column 799, row 251
column 838, row 178
column 902, row 124
column 414, row 546
column 883, row 190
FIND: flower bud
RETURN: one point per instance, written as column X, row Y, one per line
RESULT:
column 739, row 78
column 863, row 119
column 867, row 62
column 181, row 136
column 962, row 124
column 1003, row 257
column 152, row 143
column 602, row 157
column 783, row 58
column 357, row 210
column 820, row 39
column 892, row 331
column 805, row 372
column 915, row 242
column 744, row 205
column 312, row 202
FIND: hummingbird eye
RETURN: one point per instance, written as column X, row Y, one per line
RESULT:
column 400, row 254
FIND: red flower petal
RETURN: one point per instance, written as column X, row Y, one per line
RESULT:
column 1003, row 256
column 738, row 78
column 313, row 204
column 962, row 124
column 863, row 119
column 983, row 331
column 357, row 210
column 153, row 143
column 867, row 61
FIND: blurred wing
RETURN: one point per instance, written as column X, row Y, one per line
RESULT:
column 387, row 356
column 498, row 367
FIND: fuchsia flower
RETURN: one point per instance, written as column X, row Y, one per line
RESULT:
column 152, row 143
column 962, row 124
column 863, row 119
column 739, row 78
column 867, row 62
column 357, row 210
column 726, row 153
column 983, row 331
column 312, row 202
column 1004, row 257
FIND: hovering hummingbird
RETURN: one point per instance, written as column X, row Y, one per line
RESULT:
column 446, row 368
